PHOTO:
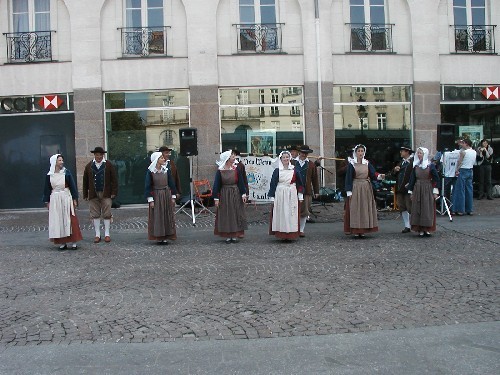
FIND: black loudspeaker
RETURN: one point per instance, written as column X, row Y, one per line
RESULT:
column 189, row 141
column 446, row 137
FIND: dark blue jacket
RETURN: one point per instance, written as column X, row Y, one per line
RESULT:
column 351, row 173
column 70, row 183
column 218, row 183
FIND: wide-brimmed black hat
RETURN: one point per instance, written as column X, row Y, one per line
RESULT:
column 164, row 148
column 407, row 148
column 236, row 152
column 98, row 150
column 305, row 149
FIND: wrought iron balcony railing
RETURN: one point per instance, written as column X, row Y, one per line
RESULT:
column 259, row 37
column 474, row 38
column 144, row 41
column 371, row 37
column 31, row 46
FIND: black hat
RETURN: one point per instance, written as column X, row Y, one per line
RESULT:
column 98, row 150
column 292, row 148
column 407, row 149
column 164, row 148
column 236, row 152
column 305, row 149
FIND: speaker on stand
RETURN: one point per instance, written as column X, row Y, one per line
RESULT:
column 189, row 147
column 446, row 134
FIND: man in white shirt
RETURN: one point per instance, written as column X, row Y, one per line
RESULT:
column 462, row 193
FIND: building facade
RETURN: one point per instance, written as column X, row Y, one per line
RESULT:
column 256, row 75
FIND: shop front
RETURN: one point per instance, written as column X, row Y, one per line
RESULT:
column 32, row 128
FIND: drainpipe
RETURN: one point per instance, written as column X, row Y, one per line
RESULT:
column 318, row 69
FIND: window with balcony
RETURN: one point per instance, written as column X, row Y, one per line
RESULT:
column 144, row 34
column 258, row 30
column 369, row 30
column 471, row 32
column 31, row 37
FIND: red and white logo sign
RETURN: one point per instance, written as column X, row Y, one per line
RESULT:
column 50, row 102
column 491, row 93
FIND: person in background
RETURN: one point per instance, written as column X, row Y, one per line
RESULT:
column 61, row 198
column 462, row 192
column 424, row 192
column 230, row 196
column 294, row 152
column 484, row 159
column 286, row 191
column 360, row 214
column 402, row 172
column 100, row 186
column 309, row 176
column 160, row 192
column 166, row 152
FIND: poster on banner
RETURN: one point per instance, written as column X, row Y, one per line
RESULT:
column 473, row 132
column 259, row 172
column 261, row 143
column 450, row 160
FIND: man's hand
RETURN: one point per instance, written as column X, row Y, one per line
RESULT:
column 152, row 204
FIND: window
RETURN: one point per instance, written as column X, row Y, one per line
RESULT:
column 381, row 121
column 31, row 36
column 382, row 124
column 258, row 29
column 138, row 123
column 472, row 34
column 369, row 31
column 144, row 31
column 268, row 116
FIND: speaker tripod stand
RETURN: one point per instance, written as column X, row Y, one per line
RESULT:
column 192, row 203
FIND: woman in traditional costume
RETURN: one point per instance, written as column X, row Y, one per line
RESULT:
column 61, row 198
column 286, row 190
column 160, row 192
column 230, row 196
column 424, row 192
column 360, row 211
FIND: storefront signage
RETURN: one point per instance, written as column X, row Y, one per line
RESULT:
column 491, row 93
column 38, row 103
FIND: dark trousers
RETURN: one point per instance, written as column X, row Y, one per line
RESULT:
column 485, row 180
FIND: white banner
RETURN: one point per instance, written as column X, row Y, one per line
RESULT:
column 259, row 172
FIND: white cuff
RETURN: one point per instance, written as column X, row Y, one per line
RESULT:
column 349, row 193
column 379, row 177
column 410, row 192
column 435, row 191
column 150, row 199
column 301, row 196
column 272, row 199
column 243, row 195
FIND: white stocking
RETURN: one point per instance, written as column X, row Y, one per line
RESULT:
column 406, row 218
column 107, row 224
column 303, row 223
column 97, row 227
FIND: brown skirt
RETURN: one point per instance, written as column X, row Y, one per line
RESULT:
column 76, row 233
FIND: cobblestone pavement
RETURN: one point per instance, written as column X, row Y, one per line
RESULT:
column 199, row 288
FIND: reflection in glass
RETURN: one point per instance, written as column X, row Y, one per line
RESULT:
column 276, row 112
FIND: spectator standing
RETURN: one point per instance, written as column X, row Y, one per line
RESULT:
column 462, row 192
column 484, row 159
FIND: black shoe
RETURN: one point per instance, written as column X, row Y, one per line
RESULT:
column 312, row 221
column 74, row 247
column 427, row 234
column 234, row 240
column 228, row 240
column 63, row 247
column 406, row 230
